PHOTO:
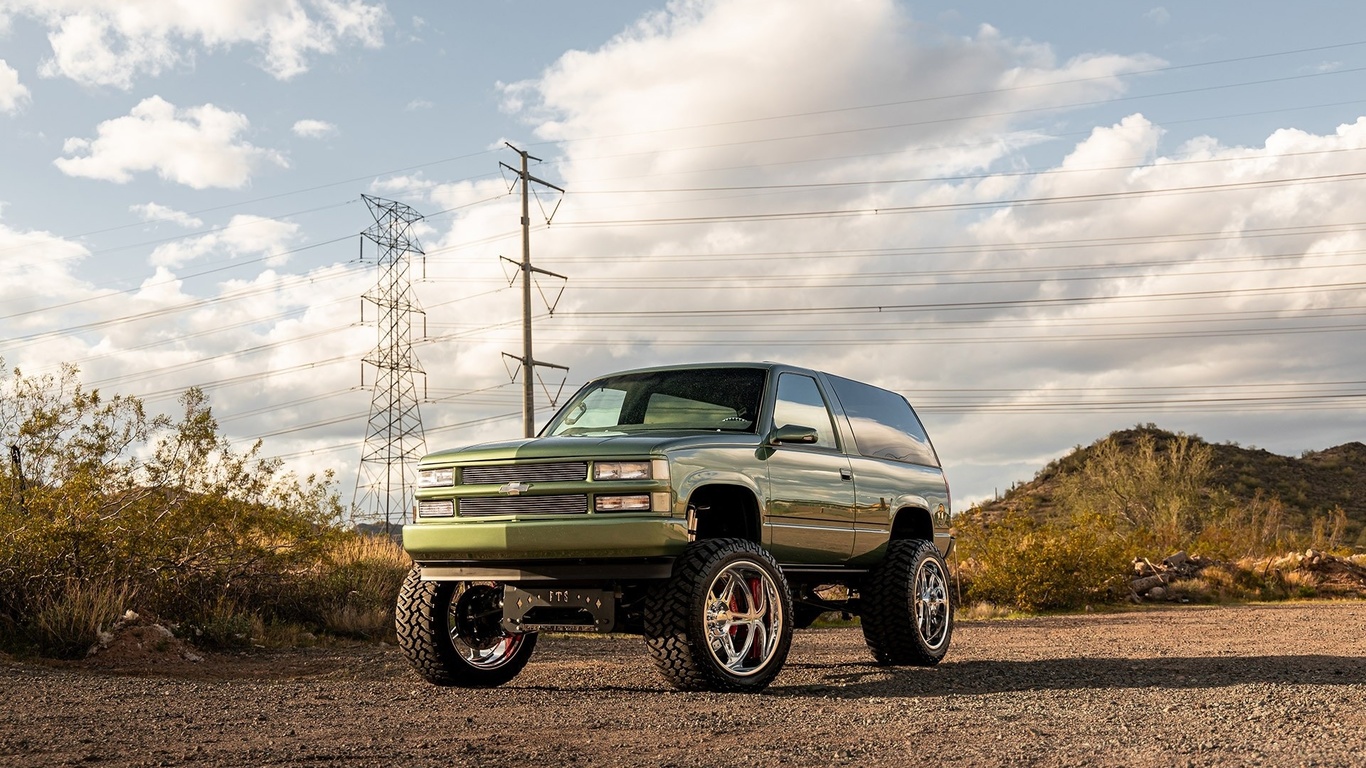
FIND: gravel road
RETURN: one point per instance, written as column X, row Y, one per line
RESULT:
column 1242, row 685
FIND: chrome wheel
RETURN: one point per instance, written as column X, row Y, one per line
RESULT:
column 907, row 609
column 743, row 620
column 931, row 597
column 474, row 619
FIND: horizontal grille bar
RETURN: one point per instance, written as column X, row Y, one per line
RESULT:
column 525, row 505
column 569, row 471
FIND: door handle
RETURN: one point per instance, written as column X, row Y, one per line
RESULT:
column 846, row 474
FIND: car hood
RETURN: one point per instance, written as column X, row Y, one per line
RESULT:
column 587, row 447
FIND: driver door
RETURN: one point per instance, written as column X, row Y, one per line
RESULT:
column 811, row 502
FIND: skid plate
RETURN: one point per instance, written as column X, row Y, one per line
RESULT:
column 568, row 609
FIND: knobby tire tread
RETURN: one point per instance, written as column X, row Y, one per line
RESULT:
column 668, row 611
column 888, row 618
column 421, row 630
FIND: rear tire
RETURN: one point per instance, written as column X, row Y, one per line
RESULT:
column 451, row 633
column 723, row 620
column 907, row 611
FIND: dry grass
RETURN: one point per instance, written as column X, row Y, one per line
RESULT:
column 68, row 621
column 373, row 550
column 984, row 611
column 1195, row 590
column 360, row 578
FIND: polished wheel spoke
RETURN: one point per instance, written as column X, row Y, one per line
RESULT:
column 743, row 620
column 931, row 600
column 473, row 622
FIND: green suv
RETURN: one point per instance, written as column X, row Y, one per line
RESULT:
column 711, row 508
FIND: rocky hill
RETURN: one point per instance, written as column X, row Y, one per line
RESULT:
column 1311, row 486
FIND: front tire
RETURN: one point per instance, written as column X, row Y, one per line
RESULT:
column 451, row 633
column 723, row 620
column 907, row 611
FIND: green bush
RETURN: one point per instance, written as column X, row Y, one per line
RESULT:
column 1035, row 565
column 199, row 533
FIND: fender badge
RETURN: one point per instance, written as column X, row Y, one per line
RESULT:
column 514, row 489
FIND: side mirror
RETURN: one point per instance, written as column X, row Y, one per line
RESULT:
column 792, row 433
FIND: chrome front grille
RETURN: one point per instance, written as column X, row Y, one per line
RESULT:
column 569, row 471
column 576, row 504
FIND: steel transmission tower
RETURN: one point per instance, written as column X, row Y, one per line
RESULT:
column 394, row 439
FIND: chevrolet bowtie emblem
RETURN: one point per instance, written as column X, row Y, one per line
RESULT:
column 514, row 489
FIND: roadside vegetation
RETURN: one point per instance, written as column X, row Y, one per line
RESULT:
column 1095, row 522
column 105, row 508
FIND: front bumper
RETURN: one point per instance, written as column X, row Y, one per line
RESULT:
column 583, row 537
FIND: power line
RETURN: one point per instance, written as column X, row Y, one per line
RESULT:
column 172, row 280
column 970, row 94
column 974, row 205
column 296, row 280
column 974, row 305
column 976, row 116
column 858, row 183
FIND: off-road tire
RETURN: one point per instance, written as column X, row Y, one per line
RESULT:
column 679, row 611
column 421, row 619
column 913, row 572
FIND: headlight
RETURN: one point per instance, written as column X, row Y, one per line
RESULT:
column 436, row 509
column 435, row 478
column 639, row 502
column 621, row 470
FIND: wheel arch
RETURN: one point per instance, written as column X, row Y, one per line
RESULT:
column 724, row 510
column 912, row 523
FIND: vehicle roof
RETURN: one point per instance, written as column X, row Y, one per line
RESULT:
column 765, row 365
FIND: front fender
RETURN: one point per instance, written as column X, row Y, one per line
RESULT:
column 704, row 477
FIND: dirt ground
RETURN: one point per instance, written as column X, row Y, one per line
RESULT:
column 1244, row 685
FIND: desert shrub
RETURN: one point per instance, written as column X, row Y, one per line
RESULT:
column 1247, row 579
column 1034, row 565
column 200, row 533
column 1230, row 529
column 1151, row 491
column 220, row 626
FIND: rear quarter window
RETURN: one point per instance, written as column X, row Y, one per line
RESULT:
column 884, row 425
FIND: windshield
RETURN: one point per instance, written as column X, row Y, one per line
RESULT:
column 703, row 398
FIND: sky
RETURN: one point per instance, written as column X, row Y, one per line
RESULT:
column 1040, row 222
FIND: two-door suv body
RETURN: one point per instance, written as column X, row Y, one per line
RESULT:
column 711, row 508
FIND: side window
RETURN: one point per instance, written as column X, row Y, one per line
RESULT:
column 884, row 425
column 799, row 403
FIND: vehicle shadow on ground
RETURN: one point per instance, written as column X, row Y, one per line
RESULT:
column 857, row 680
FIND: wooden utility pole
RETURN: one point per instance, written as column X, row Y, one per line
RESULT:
column 528, row 360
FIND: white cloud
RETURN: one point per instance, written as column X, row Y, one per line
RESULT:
column 314, row 129
column 1158, row 15
column 403, row 185
column 1028, row 319
column 38, row 269
column 738, row 108
column 196, row 146
column 113, row 42
column 13, row 94
column 417, row 104
column 155, row 213
column 244, row 235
